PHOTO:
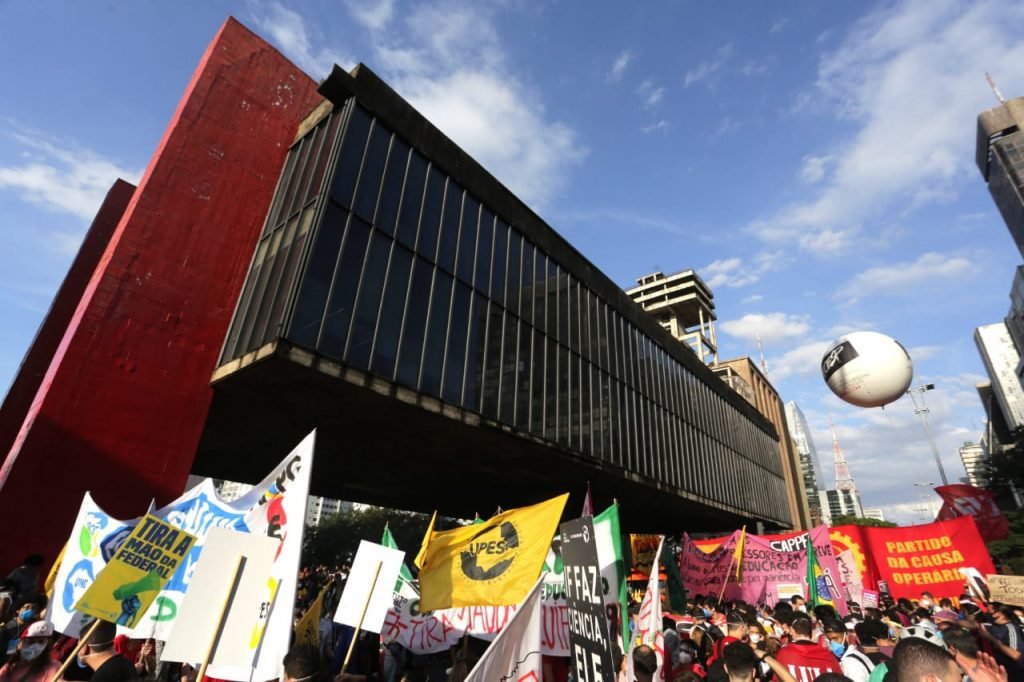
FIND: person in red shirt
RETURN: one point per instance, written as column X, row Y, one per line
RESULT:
column 804, row 658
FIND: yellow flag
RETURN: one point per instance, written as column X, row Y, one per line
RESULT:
column 307, row 630
column 737, row 556
column 52, row 577
column 492, row 563
column 426, row 540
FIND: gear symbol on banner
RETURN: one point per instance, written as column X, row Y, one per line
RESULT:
column 846, row 542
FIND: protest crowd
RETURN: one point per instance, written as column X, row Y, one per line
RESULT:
column 519, row 596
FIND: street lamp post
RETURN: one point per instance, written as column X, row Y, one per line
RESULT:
column 921, row 409
column 926, row 500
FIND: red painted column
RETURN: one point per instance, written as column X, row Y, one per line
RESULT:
column 121, row 407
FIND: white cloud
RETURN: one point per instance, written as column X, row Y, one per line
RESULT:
column 770, row 327
column 373, row 14
column 447, row 59
column 909, row 80
column 619, row 66
column 753, row 298
column 288, row 30
column 661, row 125
column 904, row 278
column 814, row 168
column 707, row 70
column 735, row 272
column 651, row 94
column 62, row 175
column 778, row 26
column 802, row 360
column 752, row 68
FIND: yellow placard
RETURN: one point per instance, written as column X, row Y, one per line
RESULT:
column 137, row 573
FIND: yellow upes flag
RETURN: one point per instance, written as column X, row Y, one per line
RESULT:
column 493, row 563
column 737, row 556
column 418, row 561
column 307, row 630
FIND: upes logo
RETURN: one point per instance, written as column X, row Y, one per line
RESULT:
column 836, row 358
column 490, row 552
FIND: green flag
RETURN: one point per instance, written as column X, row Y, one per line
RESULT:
column 608, row 536
column 812, row 573
column 405, row 575
column 676, row 591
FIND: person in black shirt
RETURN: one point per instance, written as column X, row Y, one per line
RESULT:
column 98, row 653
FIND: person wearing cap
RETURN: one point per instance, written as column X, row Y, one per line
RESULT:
column 31, row 661
column 804, row 658
column 30, row 606
column 98, row 653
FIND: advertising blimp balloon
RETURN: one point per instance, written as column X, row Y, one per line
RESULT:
column 867, row 369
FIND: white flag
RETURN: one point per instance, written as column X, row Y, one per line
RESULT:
column 649, row 621
column 515, row 653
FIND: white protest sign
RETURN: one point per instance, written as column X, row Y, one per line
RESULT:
column 362, row 586
column 210, row 585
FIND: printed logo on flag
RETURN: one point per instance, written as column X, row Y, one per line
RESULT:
column 837, row 357
column 491, row 552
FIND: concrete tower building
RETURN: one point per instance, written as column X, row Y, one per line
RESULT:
column 844, row 499
column 809, row 464
column 1000, row 158
column 684, row 305
column 1001, row 358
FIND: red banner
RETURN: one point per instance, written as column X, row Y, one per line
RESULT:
column 916, row 559
column 967, row 500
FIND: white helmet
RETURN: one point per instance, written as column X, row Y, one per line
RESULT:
column 925, row 631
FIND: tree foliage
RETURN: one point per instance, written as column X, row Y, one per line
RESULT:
column 850, row 520
column 1009, row 553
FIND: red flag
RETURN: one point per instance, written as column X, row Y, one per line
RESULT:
column 967, row 500
column 588, row 504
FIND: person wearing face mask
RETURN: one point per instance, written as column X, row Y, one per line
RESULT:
column 30, row 606
column 31, row 662
column 803, row 657
column 98, row 653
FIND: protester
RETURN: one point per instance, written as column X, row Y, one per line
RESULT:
column 962, row 644
column 804, row 658
column 302, row 664
column 98, row 653
column 916, row 660
column 860, row 660
column 645, row 663
column 31, row 662
column 26, row 576
column 30, row 606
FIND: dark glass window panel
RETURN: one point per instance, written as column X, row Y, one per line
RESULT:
column 275, row 325
column 575, row 395
column 360, row 340
column 232, row 346
column 343, row 294
column 552, row 297
column 273, row 292
column 287, row 177
column 305, row 170
column 527, row 293
column 467, row 239
column 564, row 306
column 615, row 427
column 260, row 290
column 316, row 283
column 391, row 187
column 564, row 392
column 524, row 372
column 323, row 156
column 537, row 386
column 515, row 251
column 437, row 333
column 414, row 324
column 540, row 290
column 584, row 299
column 593, row 310
column 585, row 408
column 351, row 157
column 301, row 156
column 574, row 314
column 385, row 347
column 412, row 198
column 451, row 214
column 605, row 338
column 433, row 198
column 501, row 233
column 506, row 412
column 606, row 418
column 492, row 361
column 455, row 357
column 484, row 244
column 551, row 391
column 475, row 353
column 373, row 171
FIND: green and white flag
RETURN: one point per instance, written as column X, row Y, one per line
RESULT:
column 613, row 566
column 406, row 584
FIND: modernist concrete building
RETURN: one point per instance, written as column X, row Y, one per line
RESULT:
column 684, row 305
column 1000, row 158
column 975, row 461
column 300, row 257
column 1000, row 356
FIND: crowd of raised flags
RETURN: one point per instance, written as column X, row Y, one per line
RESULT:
column 207, row 588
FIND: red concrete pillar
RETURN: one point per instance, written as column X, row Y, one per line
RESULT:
column 122, row 404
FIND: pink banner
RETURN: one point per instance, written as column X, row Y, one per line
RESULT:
column 773, row 567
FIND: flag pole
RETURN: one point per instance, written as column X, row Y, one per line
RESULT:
column 74, row 652
column 222, row 617
column 366, row 605
column 728, row 574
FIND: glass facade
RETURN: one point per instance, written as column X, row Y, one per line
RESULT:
column 1006, row 183
column 386, row 263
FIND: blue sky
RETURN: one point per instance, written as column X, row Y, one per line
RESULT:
column 812, row 161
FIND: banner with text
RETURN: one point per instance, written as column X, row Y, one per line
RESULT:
column 591, row 653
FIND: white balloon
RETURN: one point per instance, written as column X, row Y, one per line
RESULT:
column 867, row 369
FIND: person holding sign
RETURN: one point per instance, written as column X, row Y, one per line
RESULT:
column 98, row 653
column 32, row 662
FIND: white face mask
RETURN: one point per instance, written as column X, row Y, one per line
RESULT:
column 754, row 639
column 30, row 652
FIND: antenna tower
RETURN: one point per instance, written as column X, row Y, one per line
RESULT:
column 760, row 349
column 844, row 480
column 995, row 88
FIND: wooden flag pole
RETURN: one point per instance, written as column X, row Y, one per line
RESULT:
column 728, row 574
column 78, row 647
column 221, row 617
column 366, row 605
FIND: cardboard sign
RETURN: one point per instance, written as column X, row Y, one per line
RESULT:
column 1007, row 589
column 590, row 645
column 787, row 591
column 642, row 549
column 361, row 586
column 210, row 585
column 870, row 599
column 139, row 569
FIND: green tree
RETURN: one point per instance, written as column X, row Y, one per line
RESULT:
column 1009, row 553
column 850, row 520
